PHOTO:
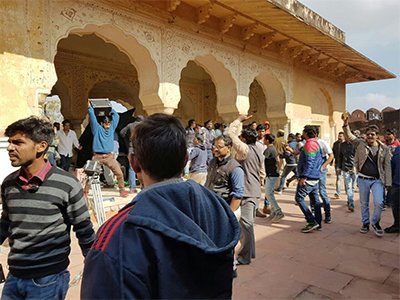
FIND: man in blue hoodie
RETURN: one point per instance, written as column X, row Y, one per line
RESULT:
column 103, row 144
column 175, row 240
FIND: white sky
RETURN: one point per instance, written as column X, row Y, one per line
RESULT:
column 372, row 27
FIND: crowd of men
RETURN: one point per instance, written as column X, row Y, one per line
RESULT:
column 177, row 238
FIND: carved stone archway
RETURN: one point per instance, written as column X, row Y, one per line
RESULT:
column 139, row 56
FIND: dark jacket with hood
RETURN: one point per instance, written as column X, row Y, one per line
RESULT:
column 174, row 241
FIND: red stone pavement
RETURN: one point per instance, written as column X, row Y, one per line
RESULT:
column 335, row 263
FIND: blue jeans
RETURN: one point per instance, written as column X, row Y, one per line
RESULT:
column 131, row 178
column 324, row 195
column 301, row 194
column 65, row 162
column 285, row 173
column 365, row 187
column 53, row 286
column 269, row 194
column 348, row 185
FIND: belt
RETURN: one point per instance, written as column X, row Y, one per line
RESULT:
column 367, row 178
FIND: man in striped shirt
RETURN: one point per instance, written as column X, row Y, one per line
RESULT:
column 40, row 204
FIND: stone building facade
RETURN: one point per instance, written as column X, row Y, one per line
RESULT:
column 201, row 59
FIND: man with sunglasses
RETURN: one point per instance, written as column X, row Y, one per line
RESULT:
column 372, row 162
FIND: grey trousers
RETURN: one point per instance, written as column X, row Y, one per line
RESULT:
column 247, row 239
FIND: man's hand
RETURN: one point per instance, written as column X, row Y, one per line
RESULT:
column 243, row 118
column 302, row 181
column 345, row 118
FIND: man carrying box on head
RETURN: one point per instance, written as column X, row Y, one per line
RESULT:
column 103, row 144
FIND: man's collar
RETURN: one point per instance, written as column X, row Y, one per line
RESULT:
column 40, row 175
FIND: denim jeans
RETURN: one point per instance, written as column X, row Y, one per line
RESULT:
column 348, row 185
column 301, row 194
column 338, row 180
column 53, row 286
column 131, row 178
column 324, row 195
column 285, row 173
column 269, row 194
column 367, row 186
column 65, row 162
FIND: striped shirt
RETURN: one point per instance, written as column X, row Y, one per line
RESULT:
column 38, row 223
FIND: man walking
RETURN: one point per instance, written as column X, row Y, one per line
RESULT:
column 346, row 166
column 271, row 169
column 251, row 159
column 66, row 141
column 336, row 148
column 309, row 167
column 175, row 240
column 372, row 162
column 40, row 205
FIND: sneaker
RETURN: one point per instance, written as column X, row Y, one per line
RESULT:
column 319, row 228
column 270, row 217
column 310, row 227
column 392, row 229
column 277, row 217
column 378, row 229
column 266, row 210
column 337, row 196
column 328, row 220
column 260, row 214
column 123, row 193
column 351, row 207
column 364, row 228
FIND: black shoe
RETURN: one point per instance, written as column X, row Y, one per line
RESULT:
column 364, row 228
column 378, row 229
column 234, row 273
column 392, row 229
column 328, row 220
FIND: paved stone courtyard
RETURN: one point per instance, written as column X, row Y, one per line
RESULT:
column 335, row 263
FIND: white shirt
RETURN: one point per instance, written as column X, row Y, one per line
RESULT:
column 66, row 141
column 325, row 148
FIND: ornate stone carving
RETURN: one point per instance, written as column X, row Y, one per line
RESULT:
column 248, row 31
column 203, row 13
column 267, row 39
column 226, row 23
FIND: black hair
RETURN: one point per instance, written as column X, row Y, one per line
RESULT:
column 261, row 127
column 66, row 121
column 291, row 135
column 217, row 125
column 391, row 131
column 270, row 137
column 34, row 128
column 106, row 119
column 190, row 122
column 249, row 135
column 159, row 144
column 206, row 122
column 309, row 130
column 316, row 128
column 373, row 128
column 199, row 137
column 227, row 140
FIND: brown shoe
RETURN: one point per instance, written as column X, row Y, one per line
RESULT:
column 260, row 214
column 266, row 210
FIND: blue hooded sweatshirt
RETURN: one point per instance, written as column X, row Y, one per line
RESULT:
column 103, row 139
column 174, row 241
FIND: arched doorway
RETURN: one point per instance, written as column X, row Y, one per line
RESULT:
column 198, row 96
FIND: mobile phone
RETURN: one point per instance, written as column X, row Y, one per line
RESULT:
column 2, row 277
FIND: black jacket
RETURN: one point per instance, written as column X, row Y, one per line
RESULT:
column 346, row 156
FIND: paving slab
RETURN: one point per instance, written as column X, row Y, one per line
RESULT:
column 335, row 263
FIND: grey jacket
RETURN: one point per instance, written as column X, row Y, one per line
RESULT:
column 384, row 168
